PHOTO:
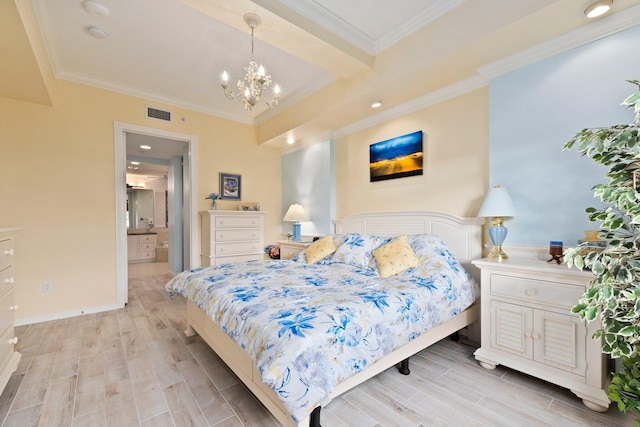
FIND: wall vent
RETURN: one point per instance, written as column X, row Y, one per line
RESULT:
column 154, row 113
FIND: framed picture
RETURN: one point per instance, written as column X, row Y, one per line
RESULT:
column 230, row 186
column 396, row 158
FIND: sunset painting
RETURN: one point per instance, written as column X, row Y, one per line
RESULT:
column 396, row 158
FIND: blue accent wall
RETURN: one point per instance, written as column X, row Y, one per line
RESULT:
column 308, row 178
column 536, row 109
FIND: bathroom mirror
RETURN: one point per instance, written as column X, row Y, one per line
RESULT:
column 140, row 208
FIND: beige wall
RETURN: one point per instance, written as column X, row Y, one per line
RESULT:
column 57, row 175
column 456, row 162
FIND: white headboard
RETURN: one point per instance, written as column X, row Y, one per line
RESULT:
column 462, row 235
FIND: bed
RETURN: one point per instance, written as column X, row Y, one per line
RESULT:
column 299, row 334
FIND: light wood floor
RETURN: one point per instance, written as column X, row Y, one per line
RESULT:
column 134, row 367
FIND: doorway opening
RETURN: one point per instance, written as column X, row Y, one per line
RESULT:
column 175, row 153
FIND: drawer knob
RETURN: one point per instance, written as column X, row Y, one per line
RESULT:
column 222, row 236
column 13, row 340
column 9, row 280
column 13, row 307
column 8, row 251
column 527, row 334
column 536, row 336
column 531, row 292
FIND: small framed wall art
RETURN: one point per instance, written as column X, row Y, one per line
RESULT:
column 230, row 186
column 396, row 157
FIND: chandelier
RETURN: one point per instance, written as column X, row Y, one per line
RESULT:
column 256, row 78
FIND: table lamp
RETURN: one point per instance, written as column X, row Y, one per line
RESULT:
column 497, row 204
column 295, row 214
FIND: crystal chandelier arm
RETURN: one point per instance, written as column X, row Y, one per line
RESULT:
column 255, row 80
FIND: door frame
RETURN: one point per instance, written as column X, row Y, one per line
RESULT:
column 189, row 197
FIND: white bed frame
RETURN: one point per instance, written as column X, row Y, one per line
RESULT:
column 462, row 235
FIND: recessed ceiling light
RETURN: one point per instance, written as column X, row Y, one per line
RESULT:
column 598, row 8
column 96, row 32
column 135, row 163
column 376, row 103
column 290, row 140
column 95, row 8
column 145, row 147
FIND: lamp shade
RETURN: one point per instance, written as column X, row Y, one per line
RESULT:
column 497, row 202
column 296, row 213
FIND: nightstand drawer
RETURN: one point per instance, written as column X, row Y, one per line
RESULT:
column 549, row 293
column 235, row 235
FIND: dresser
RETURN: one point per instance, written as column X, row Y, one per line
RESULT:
column 231, row 236
column 141, row 247
column 9, row 358
column 527, row 325
column 289, row 249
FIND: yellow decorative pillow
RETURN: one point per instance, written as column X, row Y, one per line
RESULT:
column 320, row 249
column 395, row 257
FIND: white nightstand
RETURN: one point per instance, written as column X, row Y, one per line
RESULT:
column 289, row 249
column 527, row 325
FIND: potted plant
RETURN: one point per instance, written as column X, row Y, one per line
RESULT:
column 614, row 293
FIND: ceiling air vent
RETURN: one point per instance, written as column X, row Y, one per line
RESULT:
column 154, row 113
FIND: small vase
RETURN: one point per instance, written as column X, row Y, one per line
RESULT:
column 213, row 205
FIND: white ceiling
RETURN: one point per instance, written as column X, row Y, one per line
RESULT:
column 173, row 51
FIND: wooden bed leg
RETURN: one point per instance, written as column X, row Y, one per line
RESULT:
column 404, row 367
column 314, row 420
column 455, row 337
column 190, row 332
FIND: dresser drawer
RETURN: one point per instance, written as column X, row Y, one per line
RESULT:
column 6, row 346
column 145, row 238
column 147, row 253
column 6, row 279
column 6, row 312
column 6, row 250
column 237, row 248
column 146, row 246
column 536, row 291
column 238, row 222
column 234, row 259
column 234, row 235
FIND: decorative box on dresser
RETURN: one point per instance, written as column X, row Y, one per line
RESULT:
column 527, row 325
column 289, row 248
column 231, row 236
column 9, row 358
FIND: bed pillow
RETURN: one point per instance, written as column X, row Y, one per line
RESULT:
column 395, row 257
column 356, row 249
column 302, row 258
column 320, row 249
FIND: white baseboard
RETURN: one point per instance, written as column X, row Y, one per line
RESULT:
column 66, row 314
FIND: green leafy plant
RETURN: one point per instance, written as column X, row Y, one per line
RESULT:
column 614, row 293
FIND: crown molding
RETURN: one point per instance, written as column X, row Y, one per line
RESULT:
column 321, row 137
column 291, row 100
column 150, row 96
column 418, row 21
column 424, row 101
column 334, row 24
column 599, row 29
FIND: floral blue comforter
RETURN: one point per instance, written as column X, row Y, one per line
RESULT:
column 309, row 327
